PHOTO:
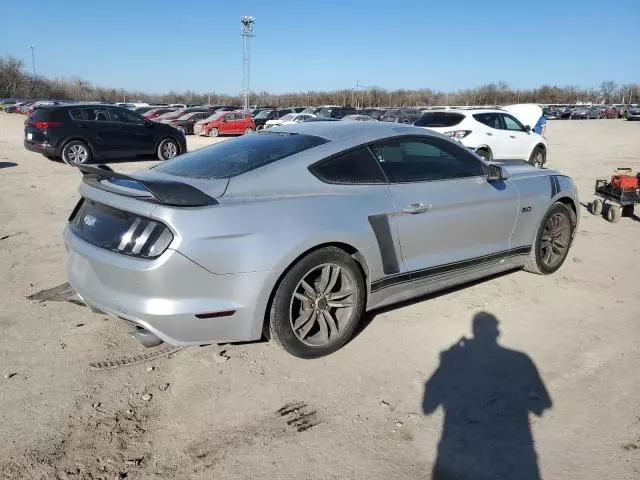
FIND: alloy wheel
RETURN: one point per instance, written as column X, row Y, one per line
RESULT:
column 77, row 154
column 169, row 150
column 555, row 240
column 322, row 304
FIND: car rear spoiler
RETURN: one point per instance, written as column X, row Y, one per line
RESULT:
column 166, row 192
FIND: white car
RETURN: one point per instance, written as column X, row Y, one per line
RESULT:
column 493, row 134
column 288, row 119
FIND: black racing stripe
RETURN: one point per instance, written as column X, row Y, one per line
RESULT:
column 382, row 230
column 554, row 186
column 557, row 180
column 446, row 268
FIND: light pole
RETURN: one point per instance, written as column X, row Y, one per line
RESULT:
column 247, row 33
column 33, row 60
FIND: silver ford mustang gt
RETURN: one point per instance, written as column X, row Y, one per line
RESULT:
column 296, row 231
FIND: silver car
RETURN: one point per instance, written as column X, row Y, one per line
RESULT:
column 296, row 231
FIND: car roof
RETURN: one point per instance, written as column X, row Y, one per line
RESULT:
column 358, row 132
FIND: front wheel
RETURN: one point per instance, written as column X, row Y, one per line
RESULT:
column 538, row 157
column 553, row 240
column 318, row 304
column 596, row 207
column 214, row 132
column 168, row 149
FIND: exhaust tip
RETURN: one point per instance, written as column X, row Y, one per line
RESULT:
column 146, row 338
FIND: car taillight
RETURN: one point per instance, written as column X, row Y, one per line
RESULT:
column 457, row 134
column 42, row 125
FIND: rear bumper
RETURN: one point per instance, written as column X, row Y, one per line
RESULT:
column 164, row 295
column 633, row 116
column 43, row 148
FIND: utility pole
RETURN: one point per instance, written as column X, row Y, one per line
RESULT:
column 33, row 60
column 247, row 33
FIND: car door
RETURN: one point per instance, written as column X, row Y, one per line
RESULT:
column 135, row 133
column 518, row 139
column 104, row 135
column 195, row 119
column 493, row 135
column 227, row 124
column 449, row 218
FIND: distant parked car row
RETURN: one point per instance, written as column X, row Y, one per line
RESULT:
column 585, row 112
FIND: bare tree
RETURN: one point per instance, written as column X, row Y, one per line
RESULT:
column 607, row 88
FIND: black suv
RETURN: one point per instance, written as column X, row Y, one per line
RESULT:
column 78, row 133
column 261, row 118
column 336, row 112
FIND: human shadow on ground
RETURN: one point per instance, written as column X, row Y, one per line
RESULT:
column 8, row 164
column 487, row 393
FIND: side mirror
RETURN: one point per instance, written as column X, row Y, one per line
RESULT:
column 528, row 128
column 496, row 173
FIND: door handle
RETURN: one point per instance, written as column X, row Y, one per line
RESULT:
column 417, row 207
column 512, row 136
column 489, row 134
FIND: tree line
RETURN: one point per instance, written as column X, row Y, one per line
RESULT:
column 16, row 82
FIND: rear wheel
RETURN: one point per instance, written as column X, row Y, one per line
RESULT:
column 318, row 303
column 596, row 207
column 484, row 154
column 76, row 152
column 248, row 130
column 214, row 132
column 168, row 149
column 553, row 240
column 538, row 157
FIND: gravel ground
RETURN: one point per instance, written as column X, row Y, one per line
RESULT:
column 252, row 411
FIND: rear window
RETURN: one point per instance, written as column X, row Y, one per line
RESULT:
column 41, row 114
column 438, row 119
column 241, row 155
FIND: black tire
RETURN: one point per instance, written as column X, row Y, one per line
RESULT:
column 214, row 132
column 535, row 262
column 167, row 149
column 613, row 213
column 628, row 210
column 538, row 157
column 281, row 324
column 76, row 152
column 485, row 154
column 596, row 207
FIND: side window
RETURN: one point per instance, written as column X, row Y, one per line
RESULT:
column 510, row 123
column 425, row 159
column 96, row 114
column 356, row 166
column 229, row 117
column 125, row 116
column 76, row 114
column 489, row 119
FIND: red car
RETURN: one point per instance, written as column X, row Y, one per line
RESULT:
column 232, row 123
column 609, row 112
column 156, row 112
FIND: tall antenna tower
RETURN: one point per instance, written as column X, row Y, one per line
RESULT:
column 247, row 33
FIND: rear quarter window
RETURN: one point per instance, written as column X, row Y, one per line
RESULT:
column 438, row 119
column 356, row 166
column 240, row 155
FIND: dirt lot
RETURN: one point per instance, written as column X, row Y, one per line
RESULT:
column 217, row 411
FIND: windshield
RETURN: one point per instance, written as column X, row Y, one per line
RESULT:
column 438, row 119
column 187, row 116
column 210, row 118
column 309, row 110
column 264, row 114
column 240, row 155
column 287, row 117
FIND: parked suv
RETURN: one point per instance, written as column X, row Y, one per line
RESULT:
column 231, row 123
column 401, row 115
column 336, row 112
column 261, row 118
column 77, row 133
column 493, row 134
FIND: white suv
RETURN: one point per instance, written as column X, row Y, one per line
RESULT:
column 492, row 133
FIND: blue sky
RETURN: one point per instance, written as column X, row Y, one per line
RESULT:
column 159, row 45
